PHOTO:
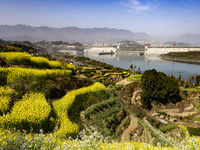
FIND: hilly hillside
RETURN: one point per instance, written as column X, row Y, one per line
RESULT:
column 71, row 34
column 93, row 105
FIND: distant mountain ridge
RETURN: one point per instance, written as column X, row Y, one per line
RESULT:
column 71, row 34
column 193, row 39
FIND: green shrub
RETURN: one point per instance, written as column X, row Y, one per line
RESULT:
column 194, row 131
column 167, row 128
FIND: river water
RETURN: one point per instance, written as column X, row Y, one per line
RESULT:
column 147, row 61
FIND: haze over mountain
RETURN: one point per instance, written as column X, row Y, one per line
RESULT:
column 72, row 34
column 193, row 39
column 84, row 35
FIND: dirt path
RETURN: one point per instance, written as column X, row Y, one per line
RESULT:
column 149, row 138
column 146, row 136
column 124, row 82
column 133, row 125
column 188, row 111
column 136, row 96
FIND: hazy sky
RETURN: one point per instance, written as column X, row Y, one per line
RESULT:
column 155, row 17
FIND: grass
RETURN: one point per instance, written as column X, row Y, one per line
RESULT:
column 136, row 77
column 196, row 88
column 185, row 55
column 197, row 119
column 198, row 106
column 167, row 128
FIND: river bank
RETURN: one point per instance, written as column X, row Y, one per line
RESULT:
column 187, row 57
column 180, row 59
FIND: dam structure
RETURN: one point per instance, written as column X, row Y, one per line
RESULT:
column 100, row 49
column 167, row 49
column 139, row 49
column 132, row 48
column 115, row 49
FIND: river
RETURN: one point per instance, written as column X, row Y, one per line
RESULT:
column 147, row 61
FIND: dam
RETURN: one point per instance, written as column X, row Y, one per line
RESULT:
column 100, row 49
column 115, row 49
column 139, row 49
column 167, row 49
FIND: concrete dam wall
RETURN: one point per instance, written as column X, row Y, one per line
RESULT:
column 163, row 50
column 139, row 49
column 131, row 48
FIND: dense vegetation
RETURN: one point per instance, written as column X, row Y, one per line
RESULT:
column 158, row 87
column 191, row 82
column 184, row 55
column 17, row 48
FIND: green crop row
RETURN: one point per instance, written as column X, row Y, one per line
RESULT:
column 104, row 116
column 98, row 106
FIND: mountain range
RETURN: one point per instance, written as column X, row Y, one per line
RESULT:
column 71, row 34
column 83, row 35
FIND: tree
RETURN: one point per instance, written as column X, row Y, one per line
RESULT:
column 173, row 90
column 133, row 68
column 139, row 70
column 197, row 80
column 158, row 87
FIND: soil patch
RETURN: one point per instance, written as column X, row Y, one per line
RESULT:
column 126, row 136
column 124, row 82
column 136, row 96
